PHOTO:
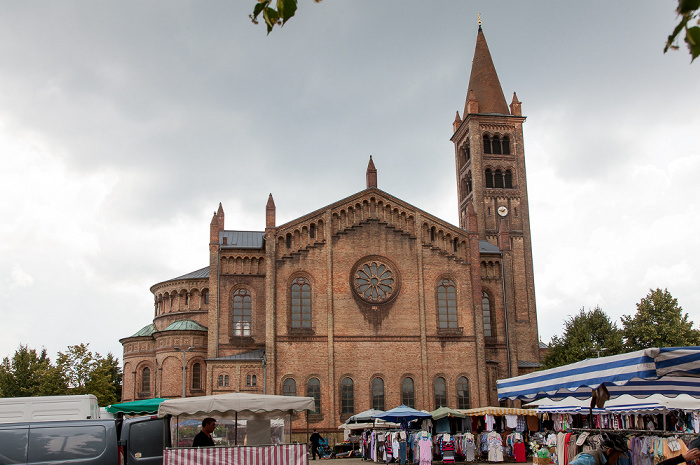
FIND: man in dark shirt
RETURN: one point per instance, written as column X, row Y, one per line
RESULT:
column 203, row 438
column 315, row 438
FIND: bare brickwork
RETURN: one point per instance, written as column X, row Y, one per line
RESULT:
column 368, row 302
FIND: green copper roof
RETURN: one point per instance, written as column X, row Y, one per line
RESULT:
column 145, row 331
column 185, row 325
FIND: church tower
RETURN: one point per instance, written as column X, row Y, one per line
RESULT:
column 490, row 164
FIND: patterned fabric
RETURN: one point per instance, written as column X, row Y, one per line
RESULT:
column 286, row 454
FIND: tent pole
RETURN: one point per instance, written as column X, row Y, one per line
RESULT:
column 235, row 431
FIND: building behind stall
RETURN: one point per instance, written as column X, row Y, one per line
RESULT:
column 367, row 302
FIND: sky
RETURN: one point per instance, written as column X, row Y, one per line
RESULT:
column 124, row 124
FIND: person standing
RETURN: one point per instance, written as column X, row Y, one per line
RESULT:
column 203, row 438
column 315, row 439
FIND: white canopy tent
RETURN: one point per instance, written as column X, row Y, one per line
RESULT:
column 229, row 405
column 626, row 404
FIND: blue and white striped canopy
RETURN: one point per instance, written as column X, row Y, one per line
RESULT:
column 636, row 373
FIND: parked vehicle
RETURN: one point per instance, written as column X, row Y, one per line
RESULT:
column 143, row 440
column 48, row 408
column 87, row 442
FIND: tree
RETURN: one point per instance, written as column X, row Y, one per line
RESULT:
column 659, row 322
column 28, row 374
column 688, row 12
column 91, row 374
column 587, row 334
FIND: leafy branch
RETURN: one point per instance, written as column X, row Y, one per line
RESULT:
column 688, row 12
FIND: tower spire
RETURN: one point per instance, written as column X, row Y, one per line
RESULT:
column 371, row 174
column 483, row 81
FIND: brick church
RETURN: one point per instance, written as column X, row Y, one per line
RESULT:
column 368, row 302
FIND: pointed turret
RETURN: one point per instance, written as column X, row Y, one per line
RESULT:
column 216, row 225
column 371, row 174
column 484, row 81
column 270, row 213
column 457, row 122
column 515, row 106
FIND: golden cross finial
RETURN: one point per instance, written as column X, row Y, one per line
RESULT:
column 479, row 19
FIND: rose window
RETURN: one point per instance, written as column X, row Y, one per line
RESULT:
column 374, row 281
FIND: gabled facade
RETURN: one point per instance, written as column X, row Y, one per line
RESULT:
column 368, row 302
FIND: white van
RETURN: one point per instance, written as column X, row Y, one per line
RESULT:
column 48, row 408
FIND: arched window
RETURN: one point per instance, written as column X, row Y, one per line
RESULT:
column 301, row 303
column 312, row 231
column 488, row 175
column 146, row 380
column 486, row 312
column 347, row 397
column 289, row 387
column 467, row 151
column 221, row 381
column 255, row 381
column 196, row 376
column 440, row 389
column 289, row 241
column 506, row 145
column 463, row 393
column 407, row 396
column 498, row 178
column 487, row 144
column 469, row 182
column 496, row 145
column 313, row 389
column 205, row 297
column 509, row 179
column 226, row 380
column 447, row 304
column 242, row 310
column 378, row 394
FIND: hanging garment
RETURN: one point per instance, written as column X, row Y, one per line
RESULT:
column 519, row 452
column 425, row 447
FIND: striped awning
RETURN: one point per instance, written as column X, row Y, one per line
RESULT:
column 634, row 368
column 498, row 411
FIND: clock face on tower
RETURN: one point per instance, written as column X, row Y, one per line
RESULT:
column 503, row 211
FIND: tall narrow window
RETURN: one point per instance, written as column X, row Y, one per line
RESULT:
column 301, row 303
column 488, row 175
column 248, row 381
column 289, row 241
column 496, row 144
column 487, row 144
column 466, row 149
column 498, row 178
column 447, row 304
column 407, row 396
column 226, row 380
column 486, row 312
column 440, row 389
column 463, row 393
column 146, row 380
column 205, row 297
column 196, row 376
column 509, row 179
column 187, row 298
column 506, row 145
column 312, row 231
column 289, row 388
column 242, row 303
column 378, row 394
column 255, row 381
column 347, row 397
column 313, row 389
column 221, row 381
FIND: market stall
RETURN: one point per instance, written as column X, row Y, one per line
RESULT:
column 256, row 429
column 137, row 407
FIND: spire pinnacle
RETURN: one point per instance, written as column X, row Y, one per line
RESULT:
column 371, row 174
column 484, row 81
column 270, row 212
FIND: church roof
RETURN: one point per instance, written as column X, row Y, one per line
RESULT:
column 252, row 356
column 487, row 247
column 185, row 325
column 199, row 274
column 147, row 330
column 242, row 239
column 483, row 81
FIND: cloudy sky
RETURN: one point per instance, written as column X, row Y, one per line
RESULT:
column 124, row 124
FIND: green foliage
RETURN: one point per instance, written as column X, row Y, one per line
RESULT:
column 659, row 322
column 688, row 12
column 586, row 335
column 77, row 371
column 278, row 14
column 28, row 374
column 91, row 374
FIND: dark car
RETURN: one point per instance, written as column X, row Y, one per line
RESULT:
column 79, row 442
column 143, row 439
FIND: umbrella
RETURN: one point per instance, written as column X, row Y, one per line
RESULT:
column 634, row 369
column 402, row 412
column 443, row 412
column 367, row 415
column 136, row 407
